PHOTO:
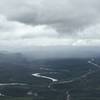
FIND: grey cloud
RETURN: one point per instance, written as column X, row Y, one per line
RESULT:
column 30, row 24
column 66, row 16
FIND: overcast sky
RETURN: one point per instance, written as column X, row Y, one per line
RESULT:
column 30, row 23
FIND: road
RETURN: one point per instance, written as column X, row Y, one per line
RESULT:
column 94, row 64
column 12, row 84
column 41, row 76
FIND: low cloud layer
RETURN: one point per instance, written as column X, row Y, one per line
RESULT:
column 16, row 30
column 30, row 23
column 67, row 16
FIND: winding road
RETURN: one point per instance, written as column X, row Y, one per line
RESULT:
column 41, row 76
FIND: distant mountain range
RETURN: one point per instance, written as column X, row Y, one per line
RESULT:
column 12, row 57
column 53, row 52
